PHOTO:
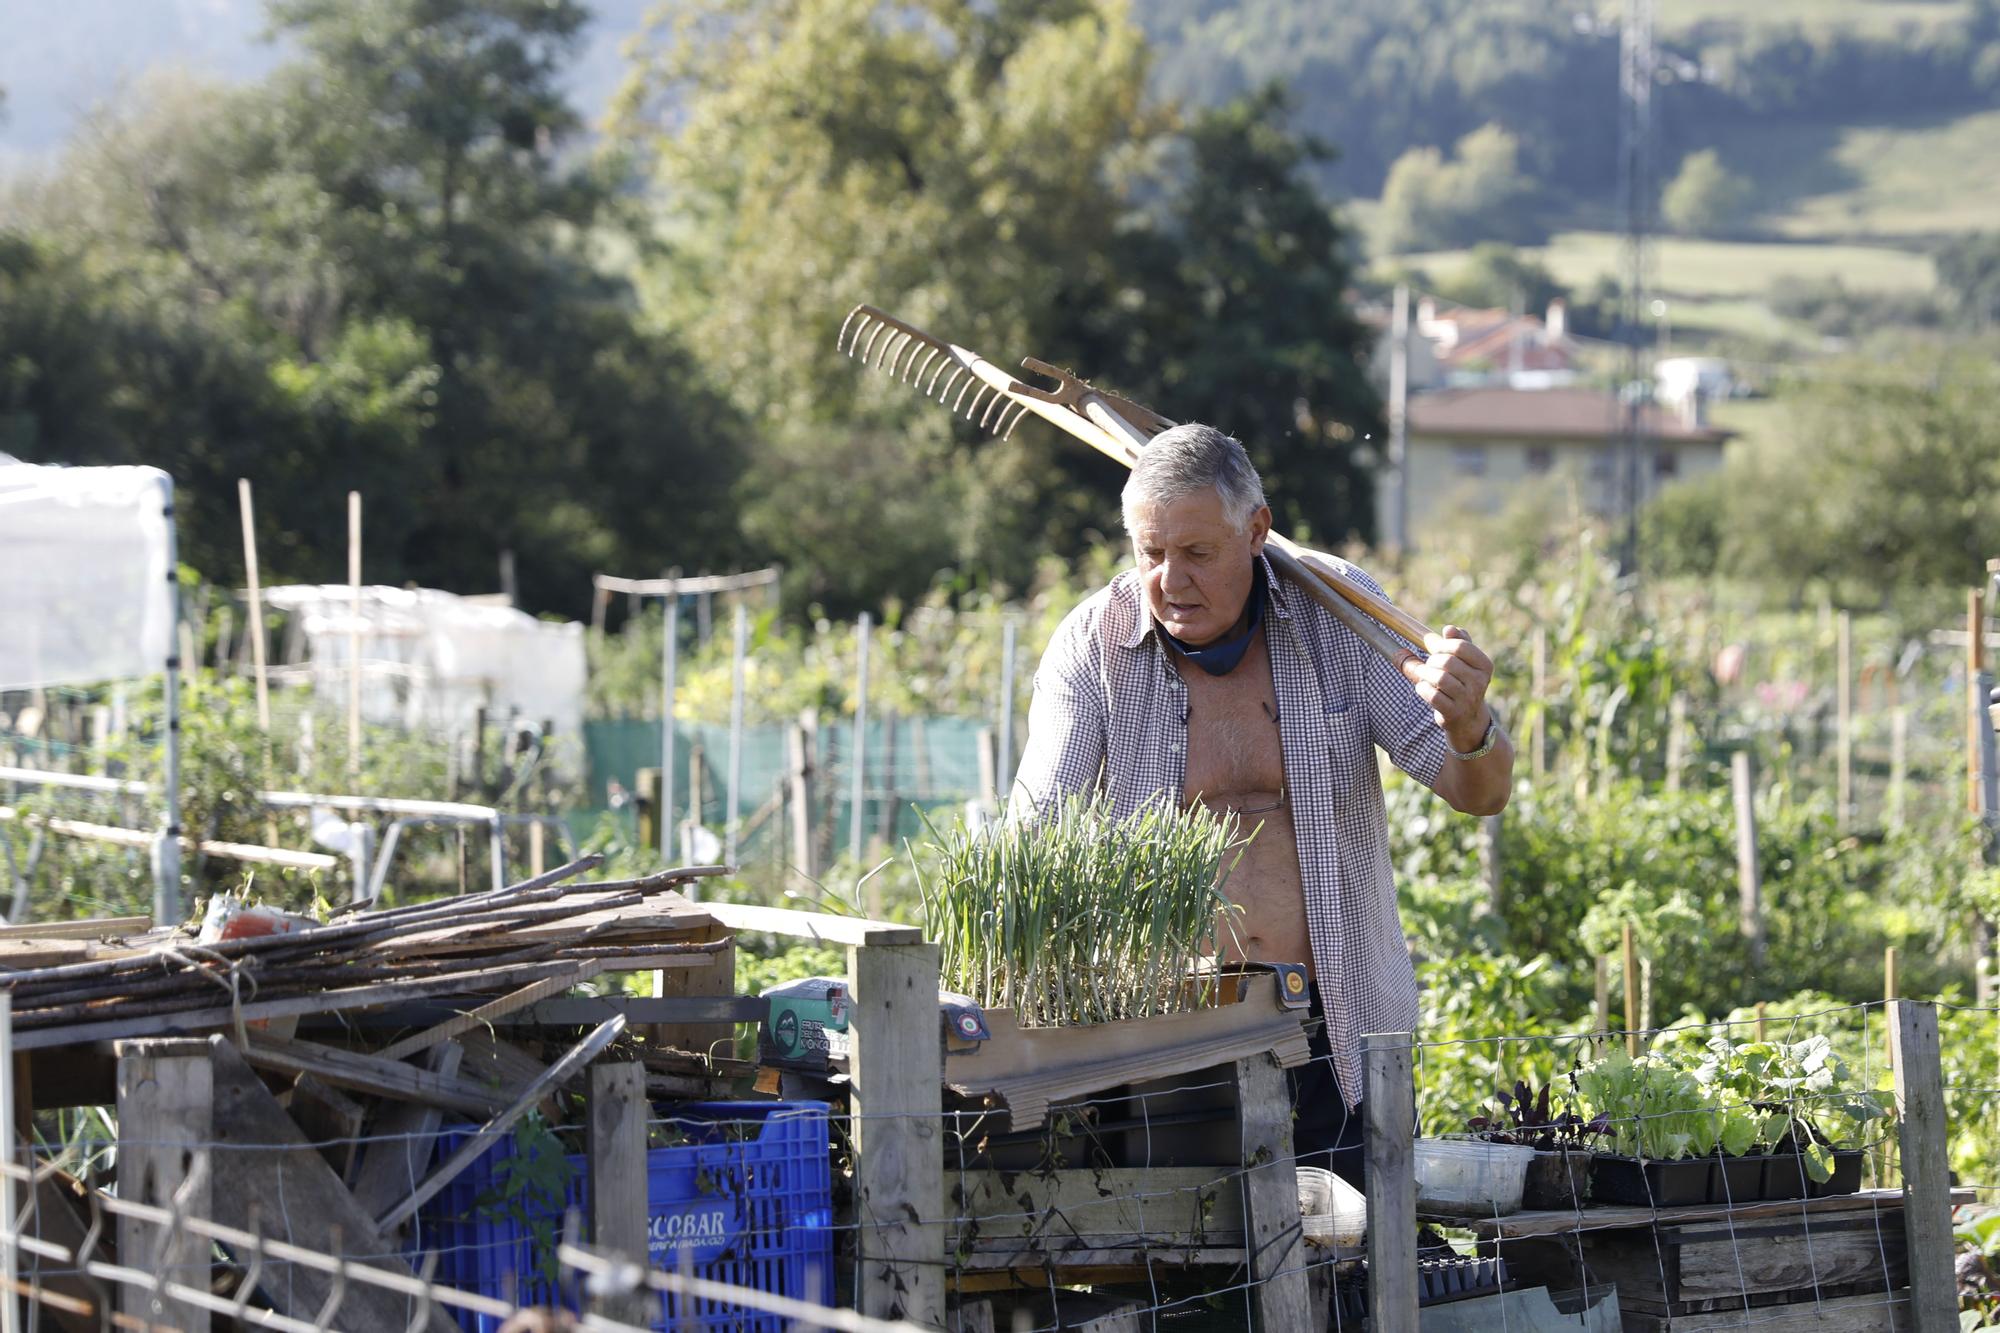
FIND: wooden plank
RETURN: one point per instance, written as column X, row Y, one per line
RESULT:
column 269, row 1180
column 619, row 1185
column 1850, row 1251
column 815, row 926
column 706, row 1039
column 496, row 1063
column 1879, row 1313
column 404, row 1139
column 896, row 1064
column 1270, row 1188
column 544, row 989
column 62, row 1217
column 1016, row 1211
column 616, row 1148
column 319, row 1002
column 981, row 1271
column 331, row 1119
column 1030, row 1068
column 91, row 928
column 1919, row 1072
column 470, row 1151
column 372, row 1074
column 1599, row 1217
column 1389, row 1121
column 165, row 1113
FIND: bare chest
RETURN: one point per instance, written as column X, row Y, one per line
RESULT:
column 1233, row 744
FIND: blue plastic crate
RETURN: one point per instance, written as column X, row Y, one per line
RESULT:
column 747, row 1200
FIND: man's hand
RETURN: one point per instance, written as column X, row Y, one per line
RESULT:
column 1453, row 681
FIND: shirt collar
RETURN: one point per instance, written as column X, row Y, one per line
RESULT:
column 1274, row 604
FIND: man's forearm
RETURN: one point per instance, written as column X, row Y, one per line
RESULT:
column 1478, row 786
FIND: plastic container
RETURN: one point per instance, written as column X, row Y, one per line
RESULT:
column 747, row 1200
column 1332, row 1211
column 1469, row 1178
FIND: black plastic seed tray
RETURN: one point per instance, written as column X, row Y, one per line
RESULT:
column 1439, row 1282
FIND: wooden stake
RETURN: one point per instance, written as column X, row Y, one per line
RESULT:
column 1538, row 686
column 1844, row 718
column 1631, row 993
column 256, row 596
column 1676, row 739
column 1975, row 662
column 1388, row 1105
column 802, row 745
column 1892, row 986
column 1603, row 1003
column 1749, row 875
column 354, row 635
column 1913, row 1032
column 1899, row 763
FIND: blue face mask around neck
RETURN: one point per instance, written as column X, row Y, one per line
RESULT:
column 1222, row 657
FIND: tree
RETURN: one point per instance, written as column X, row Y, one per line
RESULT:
column 1704, row 198
column 383, row 272
column 1905, row 483
column 991, row 173
column 1480, row 194
column 1968, row 275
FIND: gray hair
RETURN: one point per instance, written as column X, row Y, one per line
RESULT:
column 1187, row 459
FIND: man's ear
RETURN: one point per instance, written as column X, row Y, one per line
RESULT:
column 1260, row 529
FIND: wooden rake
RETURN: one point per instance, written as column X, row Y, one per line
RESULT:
column 974, row 387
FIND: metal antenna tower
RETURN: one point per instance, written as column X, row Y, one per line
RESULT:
column 1636, row 66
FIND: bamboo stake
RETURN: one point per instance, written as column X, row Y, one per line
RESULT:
column 1975, row 662
column 1892, row 988
column 1844, row 718
column 256, row 596
column 1761, row 1007
column 1631, row 994
column 354, row 635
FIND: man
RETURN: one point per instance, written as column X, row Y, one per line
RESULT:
column 1200, row 675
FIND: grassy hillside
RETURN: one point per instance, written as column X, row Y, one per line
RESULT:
column 1875, row 17
column 1912, row 180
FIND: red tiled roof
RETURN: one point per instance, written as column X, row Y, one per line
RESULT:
column 1551, row 414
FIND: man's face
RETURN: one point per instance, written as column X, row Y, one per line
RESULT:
column 1196, row 567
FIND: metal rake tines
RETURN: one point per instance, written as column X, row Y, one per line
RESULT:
column 936, row 369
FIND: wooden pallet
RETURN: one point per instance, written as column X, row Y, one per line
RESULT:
column 1838, row 1265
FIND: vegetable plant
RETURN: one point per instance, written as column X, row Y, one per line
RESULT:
column 1526, row 1117
column 1078, row 916
column 1651, row 1108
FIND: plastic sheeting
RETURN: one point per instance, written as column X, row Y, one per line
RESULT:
column 429, row 658
column 85, row 559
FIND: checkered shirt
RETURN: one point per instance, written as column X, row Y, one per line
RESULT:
column 1110, row 715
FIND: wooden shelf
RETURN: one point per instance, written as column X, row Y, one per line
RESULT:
column 1561, row 1222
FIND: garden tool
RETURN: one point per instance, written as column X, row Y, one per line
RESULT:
column 1117, row 427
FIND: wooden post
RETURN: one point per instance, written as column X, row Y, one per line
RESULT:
column 166, row 1098
column 697, row 789
column 1272, row 1230
column 670, row 656
column 1631, row 993
column 705, row 1039
column 859, row 758
column 1749, row 875
column 648, row 810
column 1975, row 662
column 256, row 595
column 802, row 745
column 537, row 848
column 1844, row 716
column 1603, row 1003
column 1677, row 713
column 616, row 1150
column 1892, row 986
column 732, row 818
column 1899, row 763
column 1489, row 860
column 896, row 1067
column 1538, row 753
column 1389, row 1110
column 1913, row 1029
column 354, row 635
column 1761, row 1008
